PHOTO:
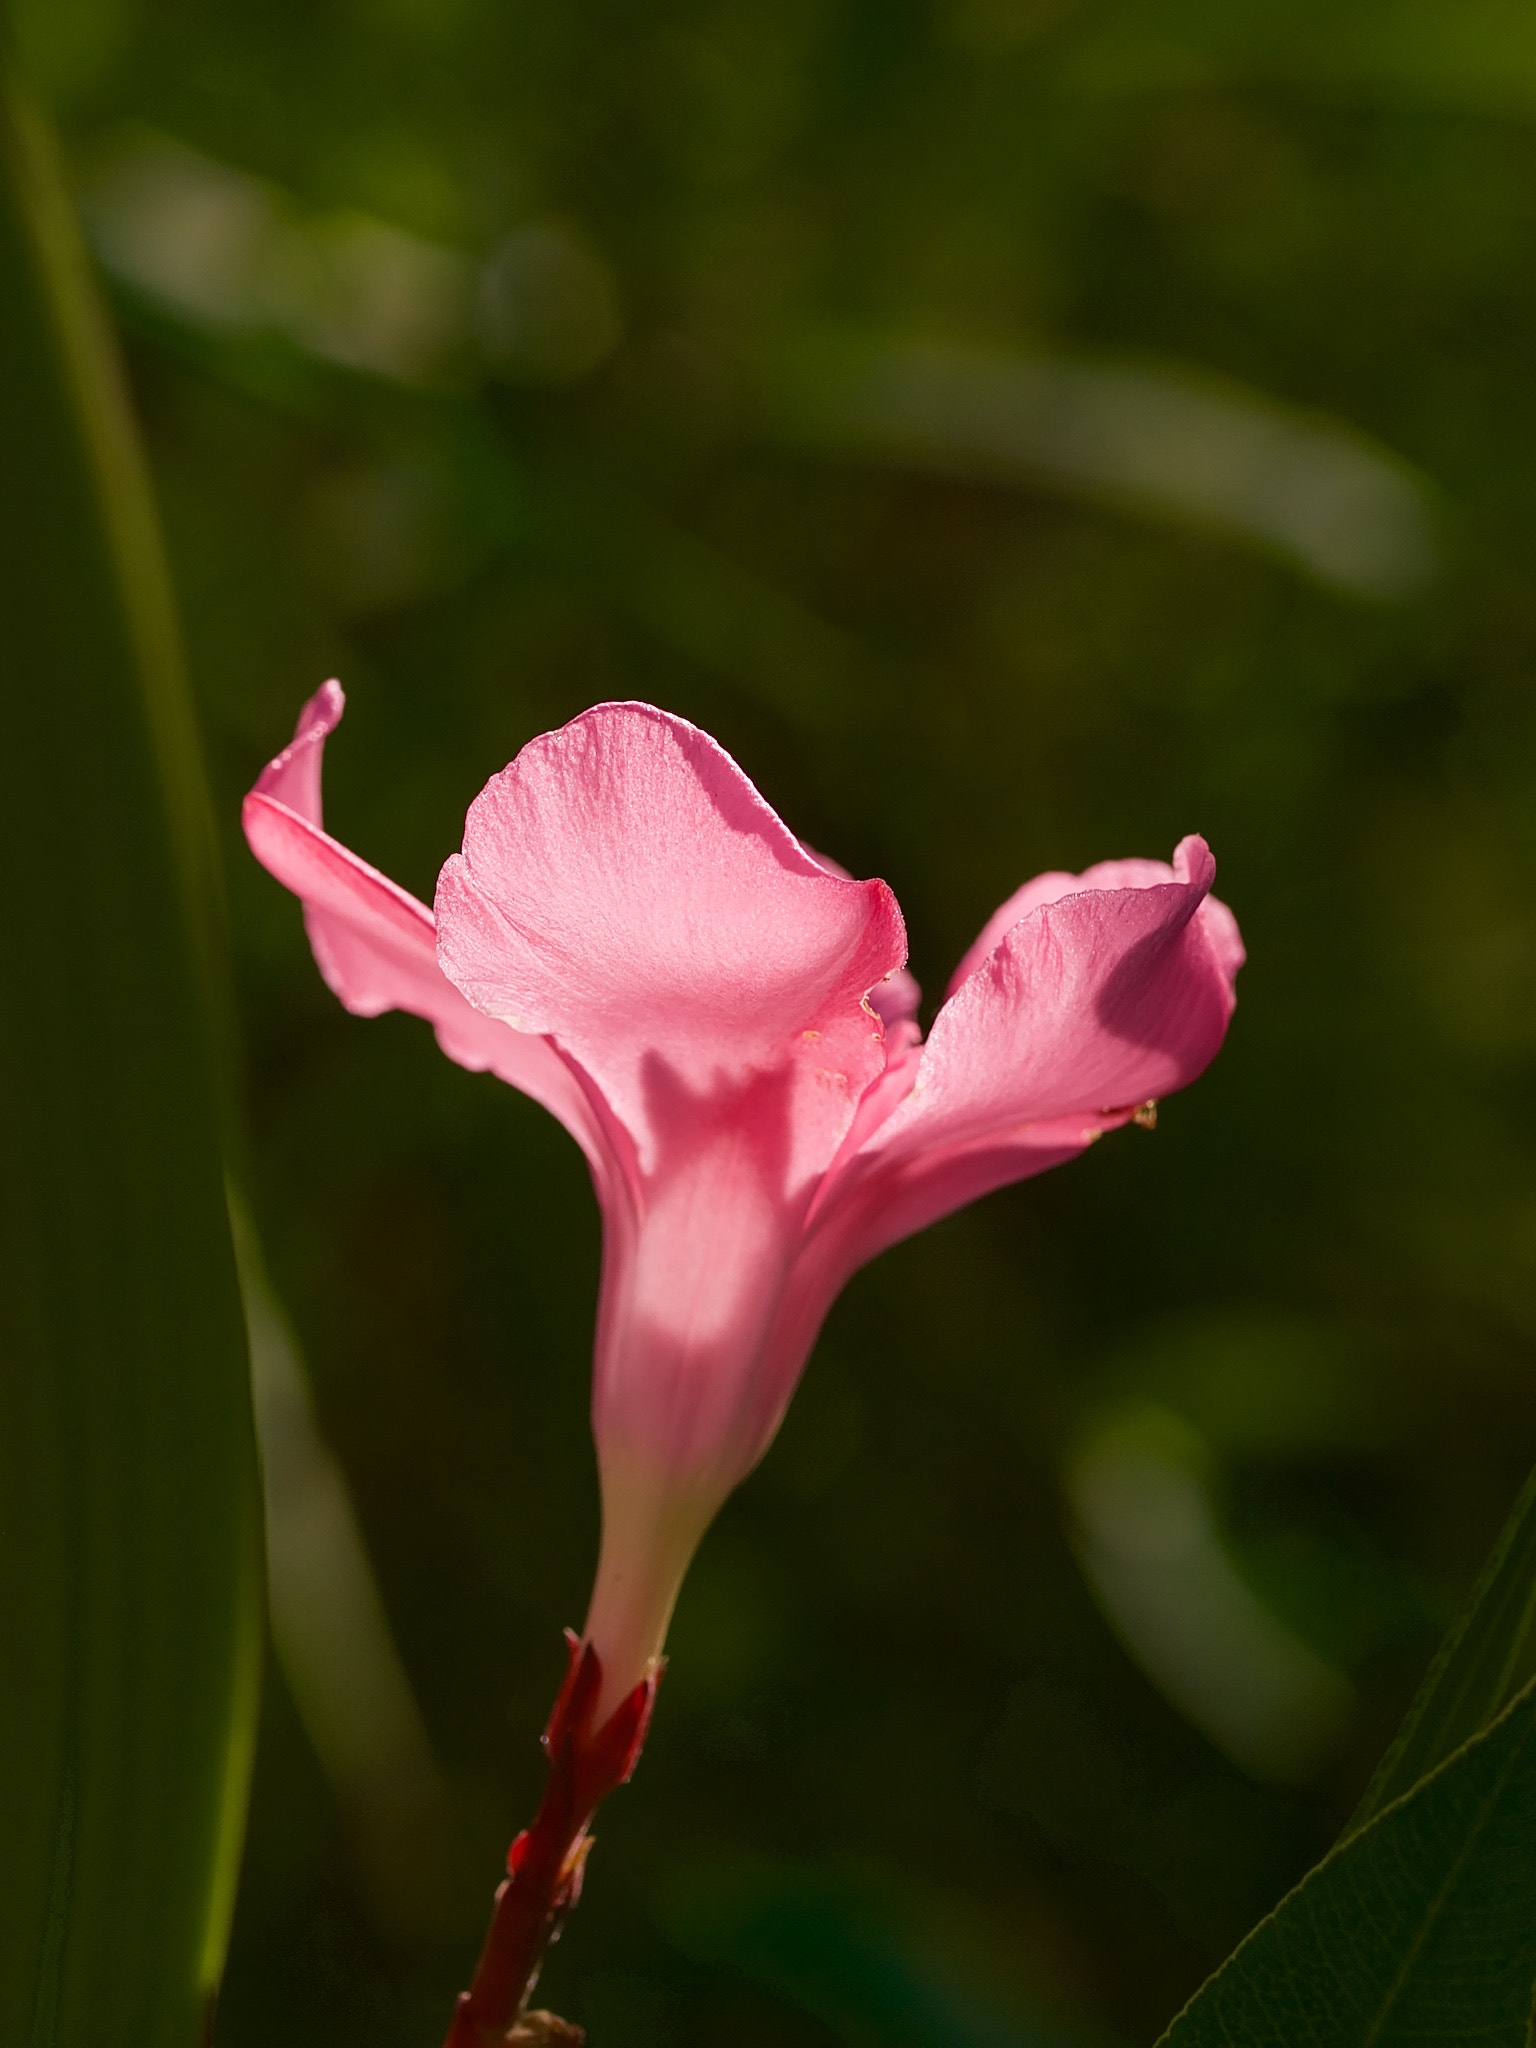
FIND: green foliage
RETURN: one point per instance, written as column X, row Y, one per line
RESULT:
column 1418, row 1927
column 1417, row 1930
column 1488, row 1657
column 129, row 1567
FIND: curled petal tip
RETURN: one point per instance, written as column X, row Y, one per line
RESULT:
column 1194, row 862
column 324, row 710
column 293, row 778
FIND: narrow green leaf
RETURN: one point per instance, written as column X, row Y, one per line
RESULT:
column 1420, row 1929
column 1488, row 1656
column 129, row 1526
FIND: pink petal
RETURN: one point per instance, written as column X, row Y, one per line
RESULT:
column 1098, row 999
column 687, row 1300
column 1050, row 888
column 293, row 779
column 1226, row 940
column 895, row 1000
column 625, row 889
column 376, row 945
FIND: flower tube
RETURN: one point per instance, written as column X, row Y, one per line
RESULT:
column 723, row 1021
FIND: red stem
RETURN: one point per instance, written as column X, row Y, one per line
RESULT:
column 544, row 1864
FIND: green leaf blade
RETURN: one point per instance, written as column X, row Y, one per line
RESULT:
column 130, row 1573
column 1419, row 1929
column 1486, row 1659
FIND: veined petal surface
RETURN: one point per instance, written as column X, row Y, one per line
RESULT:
column 1051, row 887
column 1112, row 988
column 625, row 889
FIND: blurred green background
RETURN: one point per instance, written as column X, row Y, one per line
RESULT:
column 1023, row 431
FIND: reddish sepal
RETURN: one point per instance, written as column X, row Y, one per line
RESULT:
column 578, row 1691
column 547, row 1861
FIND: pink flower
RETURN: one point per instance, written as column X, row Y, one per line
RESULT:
column 723, row 1021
